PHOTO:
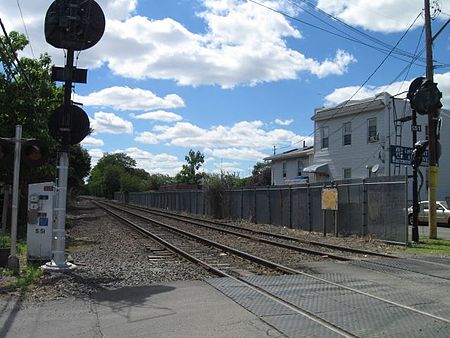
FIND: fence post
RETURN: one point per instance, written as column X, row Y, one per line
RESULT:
column 242, row 203
column 309, row 207
column 254, row 206
column 290, row 207
column 364, row 208
column 268, row 206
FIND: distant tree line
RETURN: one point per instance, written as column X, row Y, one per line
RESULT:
column 118, row 173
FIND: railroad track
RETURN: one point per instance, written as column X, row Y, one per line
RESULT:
column 361, row 257
column 332, row 327
column 308, row 246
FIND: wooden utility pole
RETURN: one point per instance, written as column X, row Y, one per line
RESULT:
column 432, row 149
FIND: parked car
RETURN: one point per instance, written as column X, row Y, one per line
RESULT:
column 442, row 213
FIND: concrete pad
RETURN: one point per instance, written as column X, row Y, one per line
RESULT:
column 179, row 309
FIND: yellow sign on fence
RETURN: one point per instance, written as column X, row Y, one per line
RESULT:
column 329, row 199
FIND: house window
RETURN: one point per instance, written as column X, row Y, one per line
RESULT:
column 324, row 136
column 299, row 168
column 347, row 172
column 347, row 134
column 372, row 135
column 284, row 169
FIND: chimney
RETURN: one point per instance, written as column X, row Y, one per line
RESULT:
column 304, row 143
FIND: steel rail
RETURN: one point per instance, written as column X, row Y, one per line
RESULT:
column 195, row 220
column 259, row 239
column 221, row 273
column 287, row 269
column 234, row 251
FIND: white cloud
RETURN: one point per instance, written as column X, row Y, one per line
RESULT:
column 96, row 154
column 243, row 140
column 443, row 81
column 236, row 153
column 160, row 163
column 159, row 115
column 90, row 141
column 241, row 134
column 165, row 49
column 147, row 137
column 110, row 123
column 340, row 95
column 227, row 167
column 125, row 98
column 283, row 122
column 381, row 16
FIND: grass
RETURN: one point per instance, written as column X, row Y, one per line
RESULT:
column 430, row 246
column 26, row 279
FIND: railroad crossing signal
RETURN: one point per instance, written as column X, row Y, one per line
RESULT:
column 34, row 152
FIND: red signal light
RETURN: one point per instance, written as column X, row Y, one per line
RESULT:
column 34, row 153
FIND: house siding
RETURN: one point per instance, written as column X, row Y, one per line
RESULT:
column 360, row 153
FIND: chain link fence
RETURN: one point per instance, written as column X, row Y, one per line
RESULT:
column 366, row 207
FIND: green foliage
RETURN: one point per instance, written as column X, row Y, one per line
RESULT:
column 225, row 180
column 261, row 174
column 28, row 98
column 26, row 279
column 189, row 172
column 156, row 180
column 117, row 172
column 5, row 241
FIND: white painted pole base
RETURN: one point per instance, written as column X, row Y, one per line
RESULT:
column 53, row 267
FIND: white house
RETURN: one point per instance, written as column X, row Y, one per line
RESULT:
column 354, row 139
column 288, row 167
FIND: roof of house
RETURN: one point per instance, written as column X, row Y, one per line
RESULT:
column 352, row 107
column 293, row 153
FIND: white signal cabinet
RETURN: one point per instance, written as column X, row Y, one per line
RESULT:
column 41, row 205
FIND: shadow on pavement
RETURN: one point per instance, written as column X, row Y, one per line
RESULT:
column 11, row 313
column 135, row 294
column 132, row 303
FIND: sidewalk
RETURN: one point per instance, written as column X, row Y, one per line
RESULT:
column 180, row 309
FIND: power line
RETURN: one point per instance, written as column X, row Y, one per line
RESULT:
column 358, row 31
column 362, row 86
column 381, row 50
column 18, row 66
column 26, row 30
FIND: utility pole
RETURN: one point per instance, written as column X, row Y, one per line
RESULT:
column 13, row 260
column 432, row 149
column 415, row 223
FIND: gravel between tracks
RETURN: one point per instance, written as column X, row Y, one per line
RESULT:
column 109, row 256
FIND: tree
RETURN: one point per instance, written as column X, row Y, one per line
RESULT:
column 261, row 174
column 27, row 97
column 117, row 172
column 156, row 180
column 189, row 172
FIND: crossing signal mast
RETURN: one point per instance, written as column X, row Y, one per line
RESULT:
column 425, row 99
column 73, row 25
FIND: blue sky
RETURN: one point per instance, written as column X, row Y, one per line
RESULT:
column 232, row 78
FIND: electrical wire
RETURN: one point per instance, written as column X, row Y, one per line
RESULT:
column 379, row 49
column 361, row 87
column 26, row 30
column 354, row 29
column 17, row 66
